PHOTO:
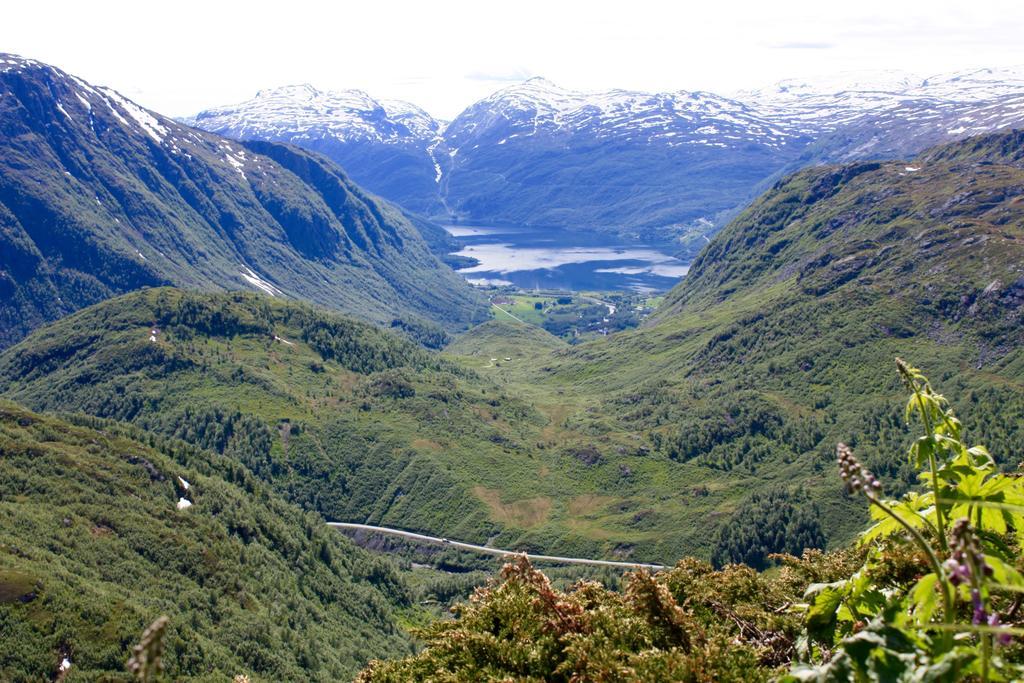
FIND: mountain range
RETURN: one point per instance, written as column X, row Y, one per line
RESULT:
column 99, row 196
column 653, row 165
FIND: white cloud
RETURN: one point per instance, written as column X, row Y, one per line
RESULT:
column 180, row 57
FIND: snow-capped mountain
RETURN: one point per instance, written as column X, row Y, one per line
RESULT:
column 539, row 107
column 535, row 153
column 889, row 114
column 484, row 165
column 538, row 153
column 870, row 90
column 963, row 103
column 386, row 145
column 296, row 111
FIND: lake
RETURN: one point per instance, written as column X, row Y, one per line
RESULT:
column 547, row 258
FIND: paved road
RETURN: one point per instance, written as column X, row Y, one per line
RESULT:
column 509, row 314
column 490, row 551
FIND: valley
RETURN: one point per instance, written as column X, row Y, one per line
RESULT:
column 710, row 397
column 600, row 332
column 389, row 435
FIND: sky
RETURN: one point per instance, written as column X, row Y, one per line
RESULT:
column 180, row 57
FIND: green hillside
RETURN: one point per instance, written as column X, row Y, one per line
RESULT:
column 779, row 341
column 649, row 444
column 907, row 603
column 93, row 548
column 99, row 197
column 342, row 418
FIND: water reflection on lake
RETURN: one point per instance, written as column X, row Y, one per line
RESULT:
column 562, row 259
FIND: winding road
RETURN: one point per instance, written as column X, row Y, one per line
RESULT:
column 490, row 551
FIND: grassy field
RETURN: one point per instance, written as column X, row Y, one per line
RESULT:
column 574, row 317
column 523, row 307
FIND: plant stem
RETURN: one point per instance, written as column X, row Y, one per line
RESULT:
column 947, row 598
column 933, row 466
column 986, row 645
column 939, row 522
column 977, row 579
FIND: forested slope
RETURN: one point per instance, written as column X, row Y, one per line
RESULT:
column 95, row 544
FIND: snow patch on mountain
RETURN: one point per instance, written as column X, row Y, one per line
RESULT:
column 146, row 120
column 256, row 281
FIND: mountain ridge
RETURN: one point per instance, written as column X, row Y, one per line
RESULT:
column 671, row 163
column 99, row 196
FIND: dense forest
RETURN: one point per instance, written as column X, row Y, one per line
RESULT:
column 106, row 527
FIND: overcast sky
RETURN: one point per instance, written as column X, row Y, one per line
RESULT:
column 180, row 57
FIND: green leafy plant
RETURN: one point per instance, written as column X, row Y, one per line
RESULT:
column 928, row 604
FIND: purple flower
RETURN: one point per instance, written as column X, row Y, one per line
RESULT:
column 854, row 474
column 1001, row 638
column 980, row 617
column 958, row 572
